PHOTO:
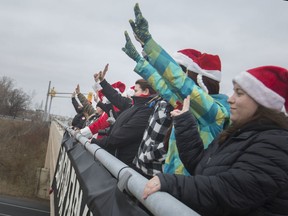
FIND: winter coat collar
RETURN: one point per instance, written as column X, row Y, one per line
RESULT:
column 141, row 100
column 254, row 127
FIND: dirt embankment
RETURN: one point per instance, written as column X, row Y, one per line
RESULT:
column 23, row 147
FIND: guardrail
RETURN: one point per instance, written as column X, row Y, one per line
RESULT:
column 159, row 203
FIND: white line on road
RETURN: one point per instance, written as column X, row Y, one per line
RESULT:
column 17, row 206
column 4, row 214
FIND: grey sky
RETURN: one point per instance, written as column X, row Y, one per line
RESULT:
column 67, row 41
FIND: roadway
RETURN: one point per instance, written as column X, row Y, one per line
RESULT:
column 11, row 206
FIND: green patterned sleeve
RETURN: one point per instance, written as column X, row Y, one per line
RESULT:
column 203, row 106
column 159, row 84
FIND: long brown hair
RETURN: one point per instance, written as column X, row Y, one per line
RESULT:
column 262, row 115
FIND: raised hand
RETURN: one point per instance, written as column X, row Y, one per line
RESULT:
column 73, row 94
column 77, row 90
column 96, row 77
column 111, row 120
column 103, row 73
column 130, row 49
column 185, row 108
column 140, row 26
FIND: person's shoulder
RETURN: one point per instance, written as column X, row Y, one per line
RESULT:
column 276, row 137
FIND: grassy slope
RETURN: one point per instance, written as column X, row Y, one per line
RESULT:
column 22, row 150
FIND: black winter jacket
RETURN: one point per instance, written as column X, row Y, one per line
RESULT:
column 79, row 119
column 76, row 105
column 245, row 175
column 127, row 132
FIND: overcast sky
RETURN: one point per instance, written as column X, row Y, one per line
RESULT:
column 67, row 41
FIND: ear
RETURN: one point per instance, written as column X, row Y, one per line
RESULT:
column 146, row 91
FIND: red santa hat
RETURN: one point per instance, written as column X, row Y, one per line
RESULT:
column 267, row 85
column 119, row 86
column 201, row 63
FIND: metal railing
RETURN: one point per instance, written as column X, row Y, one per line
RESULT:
column 159, row 203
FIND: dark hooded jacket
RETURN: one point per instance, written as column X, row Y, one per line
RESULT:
column 245, row 175
column 127, row 132
column 79, row 119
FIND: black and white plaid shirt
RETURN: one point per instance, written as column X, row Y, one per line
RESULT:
column 151, row 153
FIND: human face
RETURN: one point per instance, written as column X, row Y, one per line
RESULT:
column 99, row 111
column 242, row 106
column 138, row 91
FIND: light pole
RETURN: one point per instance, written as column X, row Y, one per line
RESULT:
column 52, row 94
column 46, row 103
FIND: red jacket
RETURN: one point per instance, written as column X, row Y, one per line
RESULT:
column 100, row 124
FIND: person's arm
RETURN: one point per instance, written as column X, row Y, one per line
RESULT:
column 149, row 73
column 252, row 179
column 105, row 107
column 159, row 123
column 151, row 49
column 122, row 103
column 75, row 104
column 83, row 100
column 203, row 106
column 100, row 124
column 189, row 143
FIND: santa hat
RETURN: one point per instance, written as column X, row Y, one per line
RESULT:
column 129, row 92
column 201, row 63
column 267, row 85
column 119, row 86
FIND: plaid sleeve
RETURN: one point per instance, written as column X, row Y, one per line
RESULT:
column 151, row 153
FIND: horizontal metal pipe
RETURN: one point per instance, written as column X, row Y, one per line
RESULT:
column 159, row 203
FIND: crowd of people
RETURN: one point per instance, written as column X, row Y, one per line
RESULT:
column 219, row 155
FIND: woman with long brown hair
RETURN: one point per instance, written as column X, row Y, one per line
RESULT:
column 245, row 170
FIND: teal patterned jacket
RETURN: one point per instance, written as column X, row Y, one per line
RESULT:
column 168, row 79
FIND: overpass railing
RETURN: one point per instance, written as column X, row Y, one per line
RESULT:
column 159, row 203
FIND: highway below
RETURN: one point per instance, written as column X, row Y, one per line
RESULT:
column 11, row 206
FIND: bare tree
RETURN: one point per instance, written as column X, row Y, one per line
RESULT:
column 13, row 100
column 6, row 86
column 18, row 101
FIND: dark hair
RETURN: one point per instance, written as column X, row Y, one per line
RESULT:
column 212, row 85
column 167, row 137
column 262, row 116
column 145, row 85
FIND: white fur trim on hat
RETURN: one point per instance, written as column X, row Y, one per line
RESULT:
column 184, row 60
column 201, row 83
column 259, row 92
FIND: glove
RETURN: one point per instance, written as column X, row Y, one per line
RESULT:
column 77, row 90
column 111, row 120
column 103, row 73
column 140, row 26
column 73, row 94
column 130, row 49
